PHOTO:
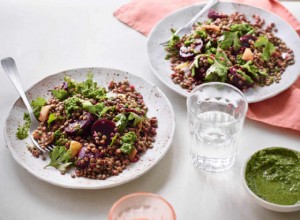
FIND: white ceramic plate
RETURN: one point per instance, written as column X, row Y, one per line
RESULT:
column 161, row 32
column 154, row 98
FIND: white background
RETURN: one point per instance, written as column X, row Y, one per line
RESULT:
column 46, row 37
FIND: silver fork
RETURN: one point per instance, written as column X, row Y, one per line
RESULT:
column 11, row 71
column 187, row 28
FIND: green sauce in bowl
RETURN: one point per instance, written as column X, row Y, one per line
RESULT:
column 273, row 174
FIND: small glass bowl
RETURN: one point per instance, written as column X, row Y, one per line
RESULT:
column 141, row 206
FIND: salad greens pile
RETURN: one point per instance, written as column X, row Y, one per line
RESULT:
column 227, row 48
column 88, row 127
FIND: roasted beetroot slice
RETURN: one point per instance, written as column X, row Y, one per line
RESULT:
column 214, row 15
column 188, row 53
column 200, row 73
column 105, row 127
column 245, row 39
column 82, row 154
column 79, row 163
column 185, row 54
column 80, row 126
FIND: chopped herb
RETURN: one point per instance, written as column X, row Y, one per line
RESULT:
column 60, row 139
column 243, row 28
column 37, row 104
column 201, row 33
column 22, row 130
column 172, row 46
column 60, row 94
column 127, row 148
column 128, row 142
column 72, row 104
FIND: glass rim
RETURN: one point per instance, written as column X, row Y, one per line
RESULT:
column 222, row 84
column 218, row 83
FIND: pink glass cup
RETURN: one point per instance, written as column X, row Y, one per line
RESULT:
column 141, row 206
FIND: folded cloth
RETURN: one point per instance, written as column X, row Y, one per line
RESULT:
column 282, row 110
column 143, row 15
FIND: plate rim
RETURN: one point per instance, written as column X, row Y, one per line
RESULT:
column 167, row 144
column 183, row 92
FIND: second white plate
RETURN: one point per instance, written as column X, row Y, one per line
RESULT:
column 161, row 32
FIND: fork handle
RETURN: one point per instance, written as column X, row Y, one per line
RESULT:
column 208, row 5
column 11, row 71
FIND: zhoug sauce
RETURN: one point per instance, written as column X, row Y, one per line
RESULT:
column 274, row 175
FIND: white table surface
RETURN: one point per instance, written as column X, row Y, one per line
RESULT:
column 46, row 37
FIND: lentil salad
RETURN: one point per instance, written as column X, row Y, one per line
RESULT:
column 231, row 49
column 96, row 130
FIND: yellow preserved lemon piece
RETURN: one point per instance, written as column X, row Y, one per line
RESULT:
column 75, row 147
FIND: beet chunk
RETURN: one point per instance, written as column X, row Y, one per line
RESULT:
column 189, row 52
column 214, row 15
column 105, row 127
column 80, row 126
column 245, row 39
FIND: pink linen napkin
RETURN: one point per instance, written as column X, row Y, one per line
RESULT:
column 282, row 110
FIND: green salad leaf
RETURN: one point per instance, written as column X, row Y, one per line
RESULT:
column 268, row 47
column 37, row 104
column 60, row 94
column 222, row 58
column 60, row 158
column 253, row 70
column 245, row 76
column 121, row 121
column 99, row 109
column 135, row 118
column 216, row 72
column 88, row 88
column 53, row 117
column 230, row 39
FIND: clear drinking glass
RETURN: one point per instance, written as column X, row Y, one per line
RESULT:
column 216, row 114
column 141, row 206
